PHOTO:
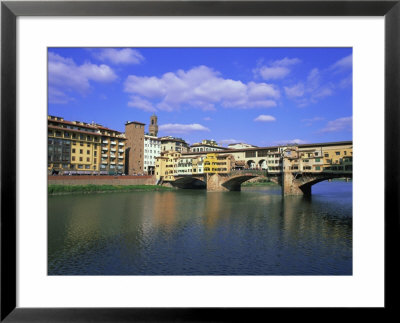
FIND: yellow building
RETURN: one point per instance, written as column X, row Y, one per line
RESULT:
column 216, row 163
column 167, row 165
column 78, row 148
column 320, row 157
column 338, row 158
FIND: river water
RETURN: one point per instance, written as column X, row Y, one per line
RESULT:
column 192, row 232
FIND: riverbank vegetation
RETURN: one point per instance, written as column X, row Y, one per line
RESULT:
column 260, row 182
column 71, row 189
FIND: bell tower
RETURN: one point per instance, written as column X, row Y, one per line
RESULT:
column 153, row 127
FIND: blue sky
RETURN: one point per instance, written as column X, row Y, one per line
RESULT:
column 261, row 96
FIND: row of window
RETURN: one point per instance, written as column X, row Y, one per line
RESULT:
column 66, row 134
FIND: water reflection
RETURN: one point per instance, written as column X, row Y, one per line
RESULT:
column 253, row 232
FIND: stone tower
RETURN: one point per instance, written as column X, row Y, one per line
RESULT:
column 134, row 154
column 153, row 127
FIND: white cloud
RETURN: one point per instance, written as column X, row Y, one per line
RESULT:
column 273, row 73
column 295, row 91
column 229, row 141
column 341, row 124
column 310, row 121
column 277, row 69
column 201, row 87
column 313, row 119
column 58, row 97
column 119, row 56
column 343, row 64
column 207, row 118
column 291, row 142
column 265, row 118
column 66, row 76
column 347, row 81
column 310, row 91
column 140, row 103
column 286, row 62
column 182, row 128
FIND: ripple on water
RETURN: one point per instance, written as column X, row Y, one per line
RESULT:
column 253, row 232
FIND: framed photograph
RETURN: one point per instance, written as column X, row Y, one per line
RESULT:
column 218, row 137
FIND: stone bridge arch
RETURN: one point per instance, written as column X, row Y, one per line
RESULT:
column 194, row 182
column 234, row 183
column 301, row 183
column 231, row 181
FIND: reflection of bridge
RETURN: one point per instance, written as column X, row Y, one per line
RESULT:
column 293, row 183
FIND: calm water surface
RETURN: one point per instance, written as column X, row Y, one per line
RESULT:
column 192, row 232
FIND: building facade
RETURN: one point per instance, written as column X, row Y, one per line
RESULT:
column 206, row 145
column 219, row 163
column 152, row 150
column 134, row 148
column 167, row 165
column 174, row 144
column 112, row 151
column 75, row 147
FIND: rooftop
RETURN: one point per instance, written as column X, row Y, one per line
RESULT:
column 82, row 124
column 136, row 122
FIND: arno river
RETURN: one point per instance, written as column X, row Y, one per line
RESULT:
column 192, row 232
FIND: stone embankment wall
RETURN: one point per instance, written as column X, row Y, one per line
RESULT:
column 102, row 180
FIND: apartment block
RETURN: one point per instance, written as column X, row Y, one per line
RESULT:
column 76, row 147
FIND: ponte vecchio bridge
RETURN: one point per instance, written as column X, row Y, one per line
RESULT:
column 293, row 183
column 296, row 169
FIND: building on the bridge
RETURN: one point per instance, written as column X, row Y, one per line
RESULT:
column 271, row 158
column 218, row 163
column 338, row 157
column 240, row 145
column 134, row 132
column 335, row 156
column 76, row 147
column 184, row 166
column 152, row 149
column 169, row 143
column 274, row 160
column 206, row 145
column 167, row 165
column 198, row 164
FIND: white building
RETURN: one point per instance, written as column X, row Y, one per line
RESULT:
column 206, row 145
column 152, row 149
column 184, row 166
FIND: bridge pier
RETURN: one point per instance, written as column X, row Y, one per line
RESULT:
column 214, row 183
column 291, row 187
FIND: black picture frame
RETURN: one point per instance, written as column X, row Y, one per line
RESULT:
column 10, row 10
